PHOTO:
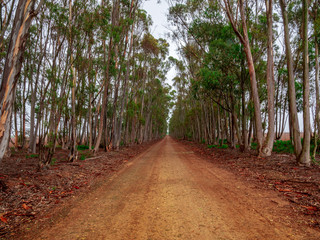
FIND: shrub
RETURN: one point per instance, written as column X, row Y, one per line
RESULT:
column 254, row 145
column 224, row 141
column 53, row 161
column 32, row 156
column 82, row 147
column 223, row 146
column 283, row 147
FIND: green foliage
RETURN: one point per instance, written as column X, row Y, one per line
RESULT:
column 224, row 141
column 280, row 146
column 82, row 147
column 32, row 156
column 299, row 95
column 223, row 146
column 53, row 161
column 283, row 147
column 150, row 45
column 254, row 145
column 13, row 150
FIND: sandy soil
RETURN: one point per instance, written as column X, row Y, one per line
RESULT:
column 168, row 192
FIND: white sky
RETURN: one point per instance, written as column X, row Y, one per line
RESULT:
column 158, row 12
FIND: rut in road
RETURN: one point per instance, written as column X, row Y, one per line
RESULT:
column 169, row 193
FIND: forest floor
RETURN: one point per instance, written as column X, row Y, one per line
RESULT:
column 299, row 185
column 28, row 195
column 179, row 190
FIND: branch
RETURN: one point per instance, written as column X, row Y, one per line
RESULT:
column 232, row 21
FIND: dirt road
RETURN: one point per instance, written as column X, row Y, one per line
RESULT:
column 169, row 193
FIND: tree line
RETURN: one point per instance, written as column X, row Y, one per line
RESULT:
column 246, row 68
column 80, row 72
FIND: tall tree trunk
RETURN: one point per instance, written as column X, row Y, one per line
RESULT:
column 125, row 84
column 244, row 39
column 114, row 109
column 16, row 134
column 244, row 144
column 105, row 82
column 316, row 55
column 73, row 149
column 268, row 143
column 304, row 157
column 90, row 99
column 293, row 115
column 140, row 140
column 317, row 117
column 23, row 17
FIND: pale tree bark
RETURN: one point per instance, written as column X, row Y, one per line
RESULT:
column 244, row 39
column 316, row 80
column 90, row 98
column 304, row 157
column 25, row 12
column 34, row 89
column 317, row 118
column 105, row 83
column 268, row 143
column 244, row 146
column 115, row 102
column 126, row 79
column 73, row 149
column 118, row 66
column 293, row 115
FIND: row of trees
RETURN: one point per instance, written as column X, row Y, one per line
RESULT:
column 247, row 66
column 80, row 72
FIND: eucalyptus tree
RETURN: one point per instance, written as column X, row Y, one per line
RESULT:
column 268, row 143
column 106, row 61
column 293, row 114
column 24, row 14
column 304, row 157
column 315, row 16
column 244, row 39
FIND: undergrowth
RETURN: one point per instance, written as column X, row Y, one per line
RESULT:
column 279, row 146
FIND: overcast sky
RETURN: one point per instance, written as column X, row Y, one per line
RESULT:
column 158, row 12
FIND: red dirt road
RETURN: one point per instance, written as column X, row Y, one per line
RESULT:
column 170, row 193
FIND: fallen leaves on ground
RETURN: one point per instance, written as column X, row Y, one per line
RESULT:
column 298, row 184
column 27, row 194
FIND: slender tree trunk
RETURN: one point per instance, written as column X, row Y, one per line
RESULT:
column 23, row 112
column 304, row 157
column 244, row 143
column 23, row 17
column 293, row 115
column 73, row 149
column 317, row 117
column 90, row 99
column 124, row 97
column 244, row 39
column 268, row 143
column 106, row 82
column 142, row 107
column 255, row 94
column 16, row 138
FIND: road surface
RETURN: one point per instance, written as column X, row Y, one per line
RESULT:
column 170, row 193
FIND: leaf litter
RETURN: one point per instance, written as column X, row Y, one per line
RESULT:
column 27, row 194
column 299, row 185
